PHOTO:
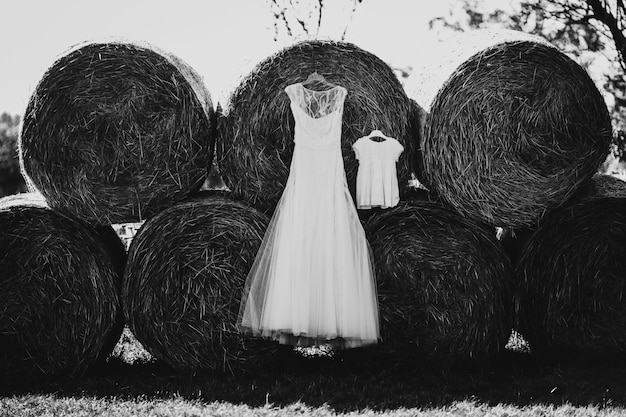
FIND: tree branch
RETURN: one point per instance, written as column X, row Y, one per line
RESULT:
column 601, row 14
column 345, row 29
column 319, row 15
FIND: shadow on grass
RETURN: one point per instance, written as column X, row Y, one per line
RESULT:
column 362, row 378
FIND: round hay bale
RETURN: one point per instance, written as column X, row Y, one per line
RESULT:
column 117, row 131
column 571, row 275
column 59, row 290
column 256, row 133
column 184, row 279
column 443, row 281
column 513, row 127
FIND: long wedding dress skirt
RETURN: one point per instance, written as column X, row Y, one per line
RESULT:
column 313, row 281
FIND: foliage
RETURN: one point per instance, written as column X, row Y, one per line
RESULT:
column 602, row 20
column 11, row 180
column 570, row 25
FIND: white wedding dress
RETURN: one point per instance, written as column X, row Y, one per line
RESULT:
column 312, row 282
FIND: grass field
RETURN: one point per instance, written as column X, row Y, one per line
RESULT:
column 49, row 405
column 367, row 381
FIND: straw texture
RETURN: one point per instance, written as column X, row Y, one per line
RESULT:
column 60, row 282
column 571, row 277
column 513, row 132
column 116, row 131
column 443, row 281
column 184, row 280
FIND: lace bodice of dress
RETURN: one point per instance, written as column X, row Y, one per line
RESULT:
column 318, row 115
column 316, row 104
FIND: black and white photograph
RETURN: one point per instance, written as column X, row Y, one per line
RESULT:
column 284, row 208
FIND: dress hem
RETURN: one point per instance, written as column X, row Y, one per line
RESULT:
column 302, row 340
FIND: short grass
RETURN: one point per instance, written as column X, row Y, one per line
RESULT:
column 176, row 407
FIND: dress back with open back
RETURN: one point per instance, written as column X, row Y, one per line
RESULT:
column 312, row 281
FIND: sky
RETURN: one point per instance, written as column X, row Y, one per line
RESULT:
column 221, row 39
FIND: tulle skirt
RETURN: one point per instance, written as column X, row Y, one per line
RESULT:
column 313, row 281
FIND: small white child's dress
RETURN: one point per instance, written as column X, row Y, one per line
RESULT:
column 377, row 178
column 312, row 282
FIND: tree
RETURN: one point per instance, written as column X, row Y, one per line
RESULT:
column 295, row 18
column 11, row 180
column 604, row 19
column 589, row 31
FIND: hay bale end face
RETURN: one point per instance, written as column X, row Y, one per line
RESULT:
column 571, row 279
column 184, row 280
column 60, row 282
column 443, row 281
column 115, row 132
column 256, row 133
column 513, row 132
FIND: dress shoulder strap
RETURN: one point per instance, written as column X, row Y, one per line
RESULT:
column 291, row 91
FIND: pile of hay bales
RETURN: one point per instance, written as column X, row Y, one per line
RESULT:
column 255, row 142
column 116, row 131
column 120, row 132
column 571, row 275
column 512, row 127
column 184, row 278
column 60, row 281
column 443, row 281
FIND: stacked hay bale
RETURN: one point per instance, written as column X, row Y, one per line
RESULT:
column 184, row 279
column 443, row 281
column 256, row 133
column 570, row 277
column 116, row 131
column 60, row 281
column 512, row 126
